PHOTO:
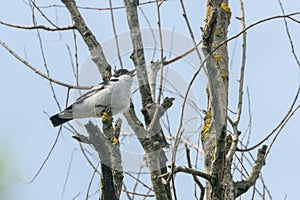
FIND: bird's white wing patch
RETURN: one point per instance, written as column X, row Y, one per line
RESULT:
column 66, row 114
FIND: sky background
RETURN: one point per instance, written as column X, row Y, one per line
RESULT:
column 272, row 77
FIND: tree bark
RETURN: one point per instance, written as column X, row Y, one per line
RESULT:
column 215, row 142
column 152, row 145
column 90, row 40
column 214, row 132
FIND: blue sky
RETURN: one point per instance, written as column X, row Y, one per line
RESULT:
column 27, row 135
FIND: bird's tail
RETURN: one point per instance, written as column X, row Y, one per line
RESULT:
column 56, row 120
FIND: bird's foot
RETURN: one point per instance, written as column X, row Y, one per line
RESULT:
column 106, row 114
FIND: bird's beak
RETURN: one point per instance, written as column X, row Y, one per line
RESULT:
column 131, row 73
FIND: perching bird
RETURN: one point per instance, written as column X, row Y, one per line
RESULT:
column 114, row 94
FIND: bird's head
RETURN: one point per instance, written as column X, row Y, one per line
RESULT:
column 122, row 72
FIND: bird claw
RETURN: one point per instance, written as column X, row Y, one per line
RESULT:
column 106, row 114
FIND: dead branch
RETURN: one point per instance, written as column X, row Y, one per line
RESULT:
column 102, row 145
column 138, row 56
column 90, row 40
column 243, row 186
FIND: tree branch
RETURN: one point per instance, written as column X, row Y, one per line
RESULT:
column 115, row 33
column 116, row 159
column 186, row 170
column 236, row 132
column 37, row 27
column 202, row 188
column 99, row 9
column 40, row 73
column 155, row 157
column 242, row 186
column 284, row 120
column 90, row 40
column 138, row 56
column 152, row 75
column 103, row 147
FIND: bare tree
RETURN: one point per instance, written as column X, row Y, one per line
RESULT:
column 225, row 148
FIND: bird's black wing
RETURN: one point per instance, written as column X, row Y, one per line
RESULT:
column 91, row 92
column 56, row 120
column 114, row 79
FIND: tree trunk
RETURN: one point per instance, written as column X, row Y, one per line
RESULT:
column 214, row 132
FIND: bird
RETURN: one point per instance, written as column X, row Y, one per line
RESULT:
column 114, row 94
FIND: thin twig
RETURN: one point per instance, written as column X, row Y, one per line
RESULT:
column 188, row 171
column 168, row 123
column 76, row 196
column 90, row 40
column 202, row 188
column 161, row 55
column 265, row 187
column 38, row 26
column 141, row 182
column 97, row 9
column 279, row 126
column 243, row 171
column 91, row 181
column 94, row 193
column 139, row 194
column 46, row 159
column 136, row 182
column 242, row 73
column 289, row 35
column 148, row 192
column 68, row 174
column 95, row 168
column 138, row 56
column 115, row 33
column 127, row 194
column 187, row 143
column 217, row 47
column 76, row 58
column 248, row 131
column 40, row 73
column 154, row 47
column 44, row 59
column 179, row 132
column 155, row 115
column 293, row 19
column 233, row 146
column 41, row 12
column 167, row 62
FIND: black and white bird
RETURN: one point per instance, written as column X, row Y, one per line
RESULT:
column 114, row 94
